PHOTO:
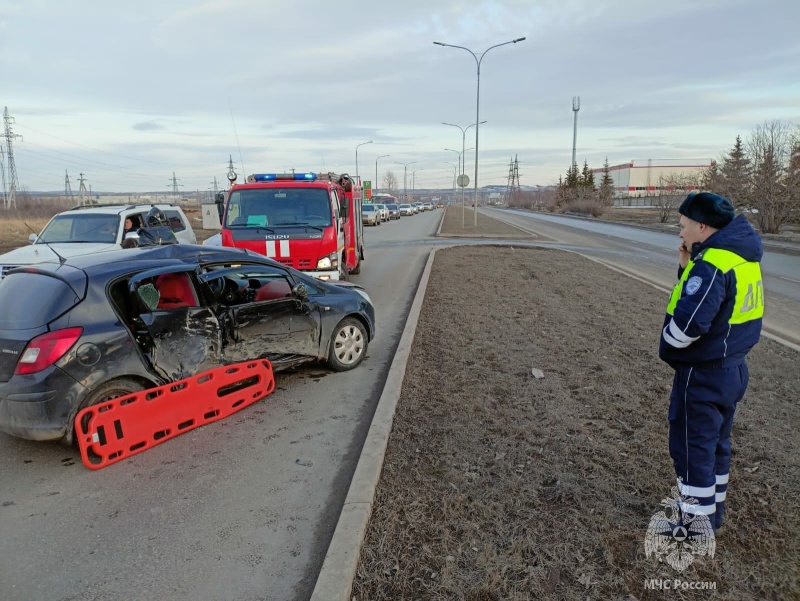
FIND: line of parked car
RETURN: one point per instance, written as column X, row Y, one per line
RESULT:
column 376, row 213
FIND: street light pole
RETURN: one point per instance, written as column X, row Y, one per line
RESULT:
column 375, row 185
column 455, row 170
column 414, row 179
column 478, row 107
column 460, row 163
column 370, row 142
column 405, row 181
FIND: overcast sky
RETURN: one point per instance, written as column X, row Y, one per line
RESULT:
column 130, row 92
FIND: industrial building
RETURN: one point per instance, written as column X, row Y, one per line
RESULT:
column 649, row 177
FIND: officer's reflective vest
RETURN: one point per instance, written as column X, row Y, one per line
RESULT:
column 749, row 303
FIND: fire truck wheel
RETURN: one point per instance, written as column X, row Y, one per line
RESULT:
column 348, row 345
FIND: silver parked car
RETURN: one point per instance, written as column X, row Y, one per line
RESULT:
column 370, row 215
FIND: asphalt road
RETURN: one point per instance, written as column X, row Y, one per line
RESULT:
column 653, row 256
column 242, row 509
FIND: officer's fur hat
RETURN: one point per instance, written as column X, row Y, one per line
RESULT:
column 712, row 209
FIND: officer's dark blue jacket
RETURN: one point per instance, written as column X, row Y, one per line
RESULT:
column 714, row 315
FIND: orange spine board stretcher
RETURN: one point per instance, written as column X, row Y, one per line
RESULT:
column 114, row 430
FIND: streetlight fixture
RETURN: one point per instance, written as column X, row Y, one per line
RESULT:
column 405, row 171
column 462, row 155
column 362, row 143
column 375, row 185
column 478, row 106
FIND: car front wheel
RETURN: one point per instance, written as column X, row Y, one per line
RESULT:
column 348, row 345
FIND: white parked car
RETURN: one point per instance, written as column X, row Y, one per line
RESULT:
column 93, row 229
column 384, row 211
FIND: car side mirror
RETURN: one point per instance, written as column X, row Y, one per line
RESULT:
column 219, row 200
column 300, row 291
column 32, row 238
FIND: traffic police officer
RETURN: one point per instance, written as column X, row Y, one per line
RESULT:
column 713, row 320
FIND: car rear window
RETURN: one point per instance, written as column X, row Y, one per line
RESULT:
column 175, row 221
column 31, row 300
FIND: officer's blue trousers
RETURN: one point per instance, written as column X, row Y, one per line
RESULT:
column 701, row 410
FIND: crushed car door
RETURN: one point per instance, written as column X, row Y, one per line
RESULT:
column 268, row 318
column 177, row 333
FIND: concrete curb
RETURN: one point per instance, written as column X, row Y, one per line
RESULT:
column 335, row 580
column 441, row 223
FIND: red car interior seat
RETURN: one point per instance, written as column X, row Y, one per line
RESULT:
column 274, row 290
column 175, row 291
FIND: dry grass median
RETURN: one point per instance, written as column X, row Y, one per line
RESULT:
column 497, row 485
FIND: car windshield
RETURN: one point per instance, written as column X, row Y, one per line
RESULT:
column 405, row 206
column 391, row 207
column 380, row 207
column 81, row 227
column 368, row 208
column 275, row 207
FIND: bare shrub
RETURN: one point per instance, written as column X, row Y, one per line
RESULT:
column 536, row 200
column 673, row 189
column 773, row 182
column 586, row 206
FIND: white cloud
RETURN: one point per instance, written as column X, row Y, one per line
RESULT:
column 180, row 86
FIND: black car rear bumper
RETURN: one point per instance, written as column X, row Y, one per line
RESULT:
column 39, row 407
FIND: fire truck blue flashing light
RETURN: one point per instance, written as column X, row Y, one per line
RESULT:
column 268, row 177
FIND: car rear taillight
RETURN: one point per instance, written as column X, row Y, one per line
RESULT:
column 46, row 349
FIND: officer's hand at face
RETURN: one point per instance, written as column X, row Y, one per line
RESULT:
column 684, row 254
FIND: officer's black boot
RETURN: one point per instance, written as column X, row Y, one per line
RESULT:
column 719, row 515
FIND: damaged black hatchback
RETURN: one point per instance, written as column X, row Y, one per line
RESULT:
column 88, row 329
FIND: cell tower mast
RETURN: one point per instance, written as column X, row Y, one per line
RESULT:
column 11, row 198
column 576, row 106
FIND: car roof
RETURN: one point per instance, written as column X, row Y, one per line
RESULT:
column 107, row 265
column 117, row 208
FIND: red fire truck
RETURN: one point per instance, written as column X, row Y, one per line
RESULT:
column 308, row 221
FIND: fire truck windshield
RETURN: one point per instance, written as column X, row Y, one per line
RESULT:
column 276, row 207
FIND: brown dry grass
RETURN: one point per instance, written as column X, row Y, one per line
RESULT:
column 13, row 230
column 497, row 485
column 487, row 227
